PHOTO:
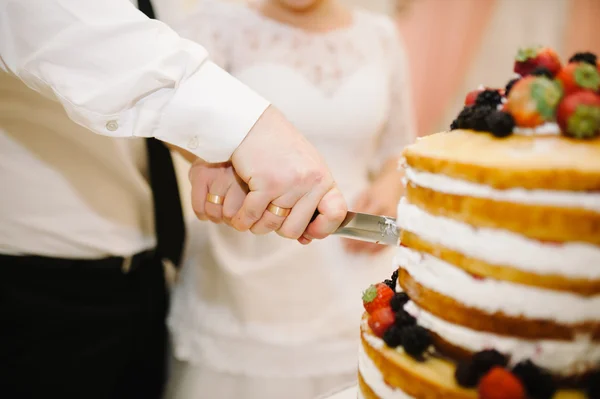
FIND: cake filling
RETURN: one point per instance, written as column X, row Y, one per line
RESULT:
column 573, row 259
column 449, row 185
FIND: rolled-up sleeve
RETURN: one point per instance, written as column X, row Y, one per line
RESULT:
column 121, row 74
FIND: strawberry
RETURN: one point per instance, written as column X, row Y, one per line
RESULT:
column 577, row 76
column 376, row 297
column 500, row 383
column 531, row 58
column 578, row 115
column 532, row 100
column 380, row 320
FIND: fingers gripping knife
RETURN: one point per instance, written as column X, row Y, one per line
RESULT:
column 366, row 227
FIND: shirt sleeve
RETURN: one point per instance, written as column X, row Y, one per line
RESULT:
column 399, row 130
column 121, row 74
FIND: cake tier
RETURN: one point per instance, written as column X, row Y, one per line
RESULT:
column 539, row 162
column 391, row 374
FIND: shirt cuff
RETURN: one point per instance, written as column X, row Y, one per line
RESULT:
column 210, row 114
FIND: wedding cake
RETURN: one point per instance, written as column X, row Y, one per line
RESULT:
column 497, row 292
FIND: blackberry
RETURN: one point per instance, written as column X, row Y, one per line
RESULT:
column 403, row 319
column 478, row 118
column 416, row 340
column 538, row 383
column 488, row 97
column 510, row 85
column 390, row 284
column 500, row 123
column 461, row 121
column 587, row 57
column 466, row 376
column 393, row 337
column 593, row 389
column 394, row 277
column 484, row 361
column 542, row 71
column 398, row 301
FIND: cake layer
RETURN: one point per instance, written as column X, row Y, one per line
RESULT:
column 493, row 297
column 559, row 199
column 564, row 358
column 530, row 162
column 431, row 379
column 454, row 311
column 501, row 247
column 544, row 223
column 583, row 287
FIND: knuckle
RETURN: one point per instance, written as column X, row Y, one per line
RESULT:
column 251, row 214
column 290, row 232
column 272, row 225
column 228, row 213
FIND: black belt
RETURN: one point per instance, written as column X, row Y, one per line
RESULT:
column 125, row 264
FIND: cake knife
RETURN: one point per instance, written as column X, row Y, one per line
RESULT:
column 370, row 228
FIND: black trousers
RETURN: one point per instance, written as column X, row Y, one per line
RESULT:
column 82, row 329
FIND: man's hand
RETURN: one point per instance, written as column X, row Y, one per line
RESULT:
column 281, row 167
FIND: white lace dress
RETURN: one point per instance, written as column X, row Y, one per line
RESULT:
column 261, row 316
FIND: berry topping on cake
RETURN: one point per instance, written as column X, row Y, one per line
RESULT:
column 376, row 297
column 394, row 278
column 500, row 123
column 500, row 383
column 529, row 59
column 380, row 320
column 398, row 301
column 587, row 57
column 510, row 85
column 578, row 115
column 542, row 71
column 403, row 319
column 478, row 118
column 472, row 96
column 578, row 76
column 462, row 121
column 468, row 373
column 466, row 376
column 489, row 97
column 393, row 337
column 538, row 383
column 532, row 101
column 415, row 340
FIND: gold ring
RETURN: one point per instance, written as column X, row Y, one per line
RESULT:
column 215, row 199
column 278, row 211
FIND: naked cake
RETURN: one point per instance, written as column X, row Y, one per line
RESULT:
column 497, row 292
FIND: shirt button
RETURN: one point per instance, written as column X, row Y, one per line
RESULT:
column 111, row 126
column 193, row 143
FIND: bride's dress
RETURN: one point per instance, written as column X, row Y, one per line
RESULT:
column 263, row 306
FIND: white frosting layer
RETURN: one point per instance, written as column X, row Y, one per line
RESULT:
column 492, row 296
column 373, row 378
column 545, row 129
column 559, row 357
column 501, row 247
column 448, row 185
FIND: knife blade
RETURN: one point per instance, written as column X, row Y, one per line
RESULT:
column 371, row 228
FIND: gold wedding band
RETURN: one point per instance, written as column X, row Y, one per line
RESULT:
column 215, row 199
column 278, row 211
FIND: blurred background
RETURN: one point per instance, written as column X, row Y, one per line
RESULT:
column 455, row 45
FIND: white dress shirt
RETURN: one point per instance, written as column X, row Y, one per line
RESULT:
column 70, row 193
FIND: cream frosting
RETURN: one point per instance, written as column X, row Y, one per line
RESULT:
column 449, row 185
column 502, row 247
column 372, row 376
column 493, row 296
column 560, row 357
column 547, row 128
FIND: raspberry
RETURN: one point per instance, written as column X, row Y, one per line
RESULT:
column 398, row 301
column 393, row 336
column 538, row 383
column 587, row 57
column 500, row 123
column 510, row 85
column 403, row 319
column 488, row 97
column 541, row 71
column 500, row 383
column 415, row 340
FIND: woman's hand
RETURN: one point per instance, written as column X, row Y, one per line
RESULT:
column 380, row 198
